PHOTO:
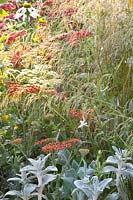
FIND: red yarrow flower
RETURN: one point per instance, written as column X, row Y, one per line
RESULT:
column 12, row 37
column 8, row 6
column 16, row 59
column 76, row 114
column 11, row 16
column 56, row 146
column 76, row 36
column 62, row 95
column 2, row 25
column 72, row 38
column 48, row 3
column 80, row 114
column 69, row 12
column 17, row 141
column 52, row 92
column 41, row 141
column 15, row 88
column 74, row 140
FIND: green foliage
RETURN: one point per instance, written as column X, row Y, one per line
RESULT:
column 85, row 92
column 3, row 1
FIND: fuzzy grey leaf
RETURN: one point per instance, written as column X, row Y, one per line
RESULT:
column 103, row 184
column 112, row 159
column 113, row 196
column 109, row 169
column 14, row 179
column 84, row 187
column 50, row 168
column 48, row 178
column 14, row 193
column 29, row 188
column 28, row 168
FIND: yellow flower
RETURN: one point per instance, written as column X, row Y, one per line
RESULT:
column 41, row 20
column 5, row 118
column 27, row 5
column 3, row 132
column 3, row 38
column 37, row 26
column 35, row 37
column 16, row 127
column 1, row 47
column 17, row 141
column 3, row 13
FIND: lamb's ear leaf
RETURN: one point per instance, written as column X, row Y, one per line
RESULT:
column 50, row 168
column 14, row 193
column 44, row 197
column 109, row 169
column 113, row 196
column 103, row 184
column 48, row 178
column 29, row 188
column 83, row 187
column 112, row 159
column 14, row 179
column 28, row 168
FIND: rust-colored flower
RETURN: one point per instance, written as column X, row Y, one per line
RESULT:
column 2, row 25
column 16, row 59
column 52, row 92
column 63, row 96
column 48, row 3
column 8, row 6
column 76, row 36
column 12, row 37
column 76, row 114
column 17, row 141
column 41, row 141
column 56, row 146
column 15, row 88
column 74, row 140
column 69, row 12
column 10, row 16
column 72, row 38
column 80, row 114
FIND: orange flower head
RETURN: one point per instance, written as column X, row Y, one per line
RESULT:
column 41, row 141
column 57, row 146
column 17, row 141
column 16, row 59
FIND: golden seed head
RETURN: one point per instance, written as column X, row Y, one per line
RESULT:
column 27, row 5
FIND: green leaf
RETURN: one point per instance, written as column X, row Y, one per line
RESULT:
column 3, row 1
